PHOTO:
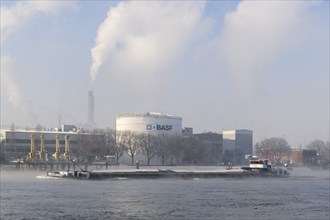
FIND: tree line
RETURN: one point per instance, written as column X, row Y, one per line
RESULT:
column 168, row 149
column 172, row 149
column 277, row 149
column 178, row 149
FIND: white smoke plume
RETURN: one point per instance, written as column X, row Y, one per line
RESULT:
column 10, row 88
column 15, row 16
column 8, row 83
column 256, row 42
column 145, row 36
column 255, row 33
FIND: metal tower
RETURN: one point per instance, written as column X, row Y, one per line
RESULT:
column 57, row 148
column 90, row 119
column 32, row 153
column 67, row 148
column 42, row 152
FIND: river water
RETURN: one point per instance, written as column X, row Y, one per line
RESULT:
column 31, row 195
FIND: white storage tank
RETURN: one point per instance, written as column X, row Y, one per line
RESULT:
column 150, row 122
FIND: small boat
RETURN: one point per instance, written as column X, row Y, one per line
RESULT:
column 258, row 164
column 82, row 174
column 264, row 168
column 59, row 174
column 68, row 174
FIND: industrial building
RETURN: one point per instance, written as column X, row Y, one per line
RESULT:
column 17, row 143
column 213, row 146
column 150, row 123
column 187, row 131
column 236, row 145
column 304, row 157
column 229, row 147
column 153, row 123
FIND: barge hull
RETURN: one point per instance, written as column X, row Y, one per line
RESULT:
column 103, row 174
column 175, row 174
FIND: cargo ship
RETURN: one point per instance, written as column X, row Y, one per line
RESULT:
column 257, row 168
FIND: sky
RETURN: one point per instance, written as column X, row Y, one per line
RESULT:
column 258, row 65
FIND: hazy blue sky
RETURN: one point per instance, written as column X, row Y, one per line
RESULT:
column 260, row 65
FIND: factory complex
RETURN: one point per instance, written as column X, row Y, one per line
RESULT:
column 68, row 141
column 17, row 143
column 230, row 146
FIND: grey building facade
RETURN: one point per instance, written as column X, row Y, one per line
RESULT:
column 236, row 145
column 213, row 147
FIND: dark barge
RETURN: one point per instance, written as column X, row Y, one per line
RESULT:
column 256, row 168
column 157, row 173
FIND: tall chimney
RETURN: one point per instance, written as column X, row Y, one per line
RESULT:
column 90, row 107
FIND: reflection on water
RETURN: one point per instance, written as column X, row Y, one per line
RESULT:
column 30, row 195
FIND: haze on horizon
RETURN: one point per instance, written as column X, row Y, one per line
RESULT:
column 220, row 65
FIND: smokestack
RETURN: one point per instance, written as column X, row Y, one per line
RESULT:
column 90, row 108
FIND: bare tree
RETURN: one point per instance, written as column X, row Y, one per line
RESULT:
column 39, row 127
column 147, row 144
column 322, row 148
column 98, row 143
column 107, row 142
column 129, row 140
column 273, row 149
column 175, row 144
column 83, row 146
column 120, row 145
column 2, row 151
column 193, row 150
column 162, row 147
column 119, row 151
column 110, row 141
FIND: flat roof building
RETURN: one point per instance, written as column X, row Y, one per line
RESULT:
column 236, row 145
column 17, row 143
column 303, row 157
column 212, row 143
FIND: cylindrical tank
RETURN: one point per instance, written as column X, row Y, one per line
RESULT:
column 150, row 122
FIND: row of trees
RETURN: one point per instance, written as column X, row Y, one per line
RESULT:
column 275, row 149
column 173, row 149
column 322, row 149
column 176, row 149
column 278, row 149
column 168, row 149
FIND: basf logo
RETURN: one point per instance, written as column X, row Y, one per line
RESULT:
column 159, row 127
column 149, row 127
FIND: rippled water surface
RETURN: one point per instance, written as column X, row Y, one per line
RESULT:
column 31, row 195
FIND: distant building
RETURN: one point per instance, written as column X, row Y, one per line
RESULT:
column 149, row 123
column 68, row 128
column 212, row 146
column 303, row 157
column 187, row 131
column 17, row 143
column 236, row 145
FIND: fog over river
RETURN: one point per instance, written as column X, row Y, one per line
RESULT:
column 33, row 195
